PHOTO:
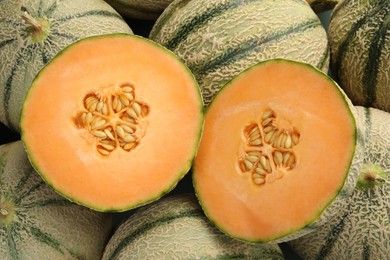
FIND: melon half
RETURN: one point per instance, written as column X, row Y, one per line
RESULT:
column 113, row 122
column 280, row 152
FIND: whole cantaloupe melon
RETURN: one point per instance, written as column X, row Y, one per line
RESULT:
column 36, row 223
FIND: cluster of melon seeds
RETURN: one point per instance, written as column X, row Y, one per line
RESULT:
column 113, row 117
column 268, row 152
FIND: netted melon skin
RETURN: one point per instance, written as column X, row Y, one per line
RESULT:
column 43, row 224
column 175, row 227
column 359, row 39
column 219, row 39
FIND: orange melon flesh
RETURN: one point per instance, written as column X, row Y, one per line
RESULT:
column 290, row 199
column 66, row 155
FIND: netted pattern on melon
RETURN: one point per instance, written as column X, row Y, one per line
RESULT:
column 268, row 149
column 113, row 116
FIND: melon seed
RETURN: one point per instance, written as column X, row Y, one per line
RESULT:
column 124, row 100
column 248, row 164
column 103, row 151
column 127, row 89
column 252, row 158
column 129, row 139
column 120, row 131
column 109, row 134
column 107, row 146
column 99, row 134
column 259, row 181
column 137, row 108
column 267, row 114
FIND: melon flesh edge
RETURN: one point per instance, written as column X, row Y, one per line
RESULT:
column 212, row 185
column 362, row 230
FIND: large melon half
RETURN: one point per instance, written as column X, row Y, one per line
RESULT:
column 113, row 122
column 280, row 152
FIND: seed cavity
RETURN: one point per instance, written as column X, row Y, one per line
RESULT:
column 112, row 116
column 268, row 148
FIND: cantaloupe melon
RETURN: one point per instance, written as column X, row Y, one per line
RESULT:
column 33, row 32
column 280, row 153
column 219, row 39
column 113, row 122
column 176, row 228
column 36, row 223
column 362, row 229
column 359, row 37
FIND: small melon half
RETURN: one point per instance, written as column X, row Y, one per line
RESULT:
column 113, row 122
column 280, row 152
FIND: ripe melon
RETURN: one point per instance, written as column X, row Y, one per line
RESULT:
column 175, row 227
column 33, row 32
column 121, row 126
column 359, row 37
column 362, row 229
column 36, row 222
column 280, row 153
column 218, row 39
column 140, row 9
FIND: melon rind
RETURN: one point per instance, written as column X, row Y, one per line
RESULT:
column 340, row 198
column 175, row 226
column 45, row 225
column 22, row 58
column 219, row 39
column 359, row 39
column 362, row 230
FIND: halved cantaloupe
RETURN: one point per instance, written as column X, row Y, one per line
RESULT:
column 280, row 153
column 113, row 122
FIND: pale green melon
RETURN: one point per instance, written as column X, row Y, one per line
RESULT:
column 359, row 37
column 33, row 32
column 218, row 39
column 362, row 230
column 36, row 222
column 140, row 9
column 176, row 228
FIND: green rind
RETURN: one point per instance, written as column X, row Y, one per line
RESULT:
column 359, row 37
column 177, row 226
column 140, row 9
column 58, row 229
column 362, row 230
column 186, row 166
column 23, row 58
column 201, row 32
column 340, row 198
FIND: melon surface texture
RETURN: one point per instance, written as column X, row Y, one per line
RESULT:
column 280, row 153
column 218, row 39
column 175, row 227
column 33, row 32
column 36, row 223
column 362, row 229
column 140, row 9
column 125, row 116
column 359, row 37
